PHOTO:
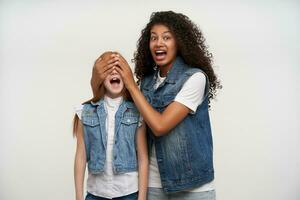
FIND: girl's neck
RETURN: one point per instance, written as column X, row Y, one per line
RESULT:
column 112, row 102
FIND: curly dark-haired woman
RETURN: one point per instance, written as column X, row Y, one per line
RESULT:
column 177, row 82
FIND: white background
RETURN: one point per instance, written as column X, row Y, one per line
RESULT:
column 47, row 49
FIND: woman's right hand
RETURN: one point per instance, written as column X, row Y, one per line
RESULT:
column 101, row 69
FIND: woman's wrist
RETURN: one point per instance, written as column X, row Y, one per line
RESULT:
column 132, row 87
column 79, row 197
column 142, row 197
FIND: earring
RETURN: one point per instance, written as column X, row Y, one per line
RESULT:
column 155, row 67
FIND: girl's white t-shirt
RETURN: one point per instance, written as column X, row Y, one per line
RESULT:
column 191, row 95
column 108, row 184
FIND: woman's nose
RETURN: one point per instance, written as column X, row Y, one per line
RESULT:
column 159, row 41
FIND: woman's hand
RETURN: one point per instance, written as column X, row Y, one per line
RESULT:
column 101, row 69
column 124, row 70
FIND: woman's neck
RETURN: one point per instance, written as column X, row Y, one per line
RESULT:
column 163, row 70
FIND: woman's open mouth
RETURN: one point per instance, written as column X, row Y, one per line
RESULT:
column 160, row 54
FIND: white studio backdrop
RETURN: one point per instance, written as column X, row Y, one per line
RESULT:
column 47, row 50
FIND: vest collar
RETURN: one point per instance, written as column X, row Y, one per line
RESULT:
column 176, row 70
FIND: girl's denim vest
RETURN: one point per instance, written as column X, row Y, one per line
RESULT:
column 185, row 154
column 95, row 137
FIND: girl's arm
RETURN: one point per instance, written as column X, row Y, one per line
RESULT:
column 160, row 123
column 80, row 163
column 142, row 161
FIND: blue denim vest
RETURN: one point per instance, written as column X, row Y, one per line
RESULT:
column 185, row 154
column 95, row 137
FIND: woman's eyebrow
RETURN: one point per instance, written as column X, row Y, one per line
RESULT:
column 162, row 33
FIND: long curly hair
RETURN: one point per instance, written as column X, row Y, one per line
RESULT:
column 190, row 46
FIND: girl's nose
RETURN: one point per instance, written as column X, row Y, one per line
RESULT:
column 114, row 71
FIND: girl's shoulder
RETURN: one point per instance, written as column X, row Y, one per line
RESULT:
column 85, row 109
column 78, row 110
column 131, row 107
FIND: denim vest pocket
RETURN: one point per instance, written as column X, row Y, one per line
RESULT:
column 91, row 121
column 129, row 126
column 92, row 126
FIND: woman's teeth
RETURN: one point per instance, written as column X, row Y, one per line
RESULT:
column 160, row 52
column 160, row 55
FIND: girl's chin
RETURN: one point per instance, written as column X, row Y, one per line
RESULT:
column 114, row 95
column 114, row 92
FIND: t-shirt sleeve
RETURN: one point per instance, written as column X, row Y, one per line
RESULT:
column 192, row 92
column 78, row 110
column 140, row 121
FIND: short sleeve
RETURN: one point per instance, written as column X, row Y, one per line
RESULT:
column 140, row 121
column 192, row 92
column 78, row 110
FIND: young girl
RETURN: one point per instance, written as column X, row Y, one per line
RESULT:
column 111, row 139
column 177, row 85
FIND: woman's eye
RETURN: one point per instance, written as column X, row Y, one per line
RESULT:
column 166, row 38
column 152, row 38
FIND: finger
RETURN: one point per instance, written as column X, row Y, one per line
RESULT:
column 108, row 71
column 99, row 64
column 109, row 66
column 123, row 62
column 119, row 70
column 114, row 59
column 98, row 59
column 124, row 65
column 121, row 57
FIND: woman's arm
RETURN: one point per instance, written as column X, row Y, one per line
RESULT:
column 80, row 163
column 160, row 123
column 143, row 161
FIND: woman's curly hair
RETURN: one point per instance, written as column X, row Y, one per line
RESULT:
column 190, row 44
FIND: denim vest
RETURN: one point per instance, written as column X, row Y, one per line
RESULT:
column 185, row 154
column 95, row 137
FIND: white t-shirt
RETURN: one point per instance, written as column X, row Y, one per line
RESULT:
column 191, row 95
column 108, row 184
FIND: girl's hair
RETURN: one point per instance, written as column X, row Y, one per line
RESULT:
column 190, row 46
column 99, row 95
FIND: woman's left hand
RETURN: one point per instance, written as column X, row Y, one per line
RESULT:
column 125, row 71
